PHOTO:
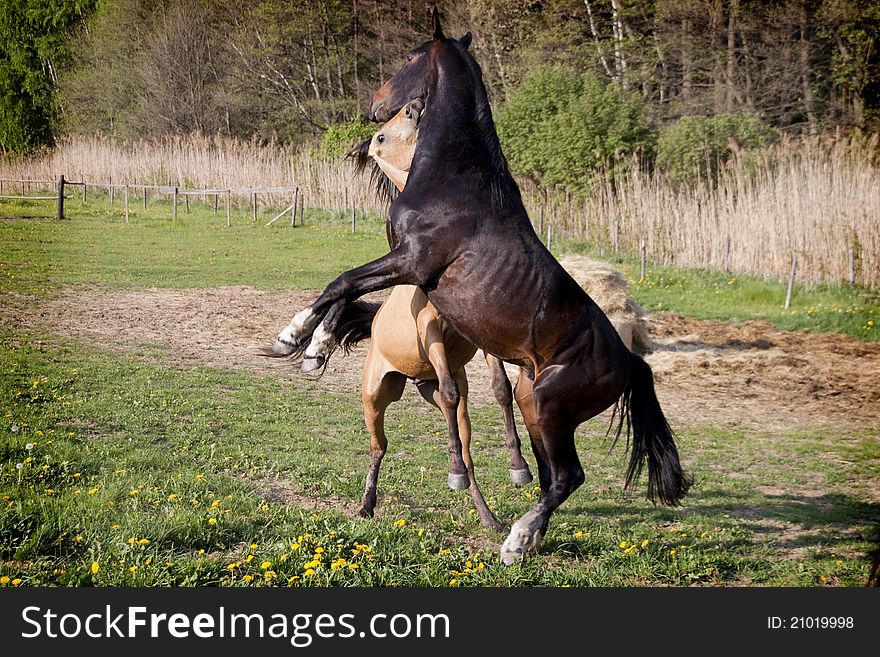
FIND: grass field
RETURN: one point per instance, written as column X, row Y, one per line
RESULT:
column 129, row 469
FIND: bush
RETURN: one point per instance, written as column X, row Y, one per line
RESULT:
column 339, row 139
column 560, row 127
column 701, row 145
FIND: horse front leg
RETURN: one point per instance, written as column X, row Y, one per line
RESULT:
column 395, row 268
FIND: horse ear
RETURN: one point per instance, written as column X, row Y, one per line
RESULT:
column 465, row 41
column 435, row 24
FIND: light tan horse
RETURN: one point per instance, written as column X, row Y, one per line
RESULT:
column 409, row 339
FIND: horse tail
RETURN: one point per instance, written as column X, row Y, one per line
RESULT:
column 355, row 323
column 652, row 439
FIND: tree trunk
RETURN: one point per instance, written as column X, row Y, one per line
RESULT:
column 807, row 73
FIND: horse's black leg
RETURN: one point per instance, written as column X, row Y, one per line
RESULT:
column 395, row 268
column 518, row 468
column 559, row 470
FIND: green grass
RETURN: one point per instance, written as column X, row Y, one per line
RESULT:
column 126, row 462
column 850, row 310
column 94, row 245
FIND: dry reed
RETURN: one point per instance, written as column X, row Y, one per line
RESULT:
column 814, row 198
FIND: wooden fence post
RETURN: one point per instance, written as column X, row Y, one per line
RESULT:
column 186, row 202
column 791, row 281
column 293, row 209
column 145, row 197
column 727, row 255
column 254, row 206
column 228, row 219
column 549, row 235
column 110, row 190
column 541, row 220
column 353, row 218
column 852, row 265
column 644, row 257
column 302, row 209
column 125, row 192
column 84, row 193
column 174, row 204
column 216, row 196
column 61, row 197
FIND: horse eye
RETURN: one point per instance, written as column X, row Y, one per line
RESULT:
column 409, row 57
column 381, row 139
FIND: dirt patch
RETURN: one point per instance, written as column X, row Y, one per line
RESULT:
column 748, row 375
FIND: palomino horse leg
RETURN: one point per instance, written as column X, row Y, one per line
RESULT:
column 487, row 518
column 431, row 336
column 520, row 474
column 430, row 391
column 381, row 386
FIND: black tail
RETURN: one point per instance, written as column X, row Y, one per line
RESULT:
column 385, row 189
column 652, row 439
column 355, row 323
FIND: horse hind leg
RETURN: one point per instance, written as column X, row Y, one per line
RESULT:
column 518, row 469
column 559, row 468
column 431, row 392
column 381, row 387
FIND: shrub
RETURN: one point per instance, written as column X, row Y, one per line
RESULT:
column 701, row 145
column 560, row 127
column 340, row 138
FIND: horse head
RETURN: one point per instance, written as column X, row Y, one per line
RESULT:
column 418, row 75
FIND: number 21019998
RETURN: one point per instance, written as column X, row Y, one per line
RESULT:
column 810, row 622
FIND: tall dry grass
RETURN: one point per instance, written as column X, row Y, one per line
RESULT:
column 813, row 198
column 201, row 163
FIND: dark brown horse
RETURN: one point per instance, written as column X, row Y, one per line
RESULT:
column 463, row 236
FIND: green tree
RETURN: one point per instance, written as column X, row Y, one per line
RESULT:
column 700, row 145
column 32, row 50
column 560, row 128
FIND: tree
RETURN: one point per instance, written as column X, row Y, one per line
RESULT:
column 32, row 51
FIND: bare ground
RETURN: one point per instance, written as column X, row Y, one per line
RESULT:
column 724, row 374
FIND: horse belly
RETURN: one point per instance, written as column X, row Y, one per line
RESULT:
column 395, row 335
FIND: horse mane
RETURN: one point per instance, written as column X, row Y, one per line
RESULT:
column 360, row 155
column 502, row 185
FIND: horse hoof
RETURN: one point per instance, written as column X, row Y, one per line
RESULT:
column 280, row 348
column 510, row 556
column 520, row 477
column 457, row 481
column 311, row 364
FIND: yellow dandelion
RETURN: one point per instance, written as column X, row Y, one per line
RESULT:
column 672, row 553
column 309, row 572
column 134, row 491
column 133, row 568
column 212, row 521
column 353, row 566
column 17, row 581
column 253, row 546
column 78, row 538
column 319, row 550
column 215, row 504
column 453, row 582
column 248, row 578
column 623, row 545
column 144, row 541
column 4, row 580
column 148, row 562
column 400, row 522
column 249, row 558
column 266, row 565
column 645, row 543
column 115, row 526
column 291, row 580
column 92, row 491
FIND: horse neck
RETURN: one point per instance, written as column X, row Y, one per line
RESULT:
column 454, row 127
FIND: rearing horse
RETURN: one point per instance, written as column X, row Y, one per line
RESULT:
column 464, row 237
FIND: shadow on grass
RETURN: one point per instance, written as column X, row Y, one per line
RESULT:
column 800, row 522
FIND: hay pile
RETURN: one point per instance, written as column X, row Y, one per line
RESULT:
column 609, row 288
